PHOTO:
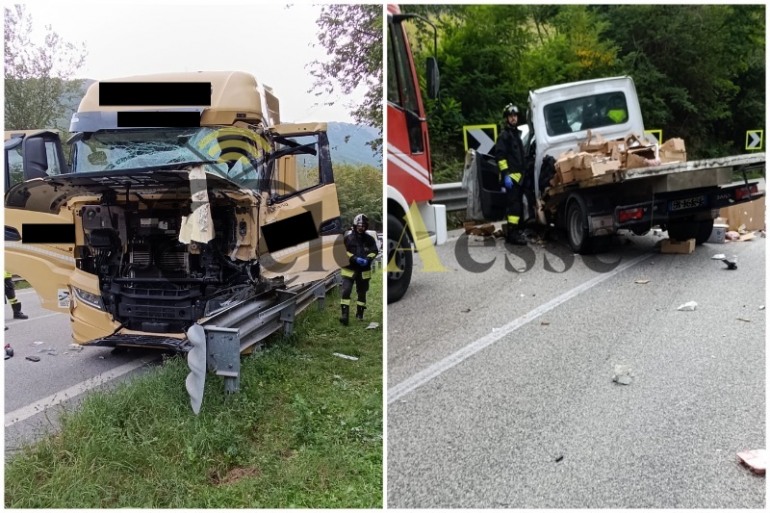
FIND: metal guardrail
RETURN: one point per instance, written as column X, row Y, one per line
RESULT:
column 451, row 195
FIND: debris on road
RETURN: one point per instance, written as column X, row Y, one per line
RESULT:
column 718, row 256
column 347, row 357
column 373, row 326
column 8, row 351
column 688, row 307
column 642, row 282
column 545, row 323
column 623, row 375
column 481, row 230
column 762, row 307
column 557, row 460
column 38, row 342
column 756, row 460
column 33, row 358
column 467, row 310
column 744, row 319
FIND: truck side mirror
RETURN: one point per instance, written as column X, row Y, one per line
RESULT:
column 431, row 72
column 35, row 158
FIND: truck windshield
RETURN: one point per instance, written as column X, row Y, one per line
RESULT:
column 592, row 111
column 233, row 153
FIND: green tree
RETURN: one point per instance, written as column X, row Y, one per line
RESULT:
column 37, row 76
column 359, row 189
column 352, row 36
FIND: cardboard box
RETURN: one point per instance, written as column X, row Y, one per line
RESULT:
column 567, row 176
column 616, row 148
column 594, row 143
column 564, row 162
column 718, row 234
column 676, row 246
column 598, row 167
column 672, row 151
column 751, row 215
column 639, row 157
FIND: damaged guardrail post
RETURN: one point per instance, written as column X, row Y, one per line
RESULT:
column 289, row 310
column 216, row 350
column 319, row 293
column 223, row 355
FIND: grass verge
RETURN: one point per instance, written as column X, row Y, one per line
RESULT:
column 304, row 431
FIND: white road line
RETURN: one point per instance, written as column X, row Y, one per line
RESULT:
column 54, row 314
column 28, row 411
column 424, row 376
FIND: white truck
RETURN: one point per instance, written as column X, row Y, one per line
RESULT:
column 682, row 197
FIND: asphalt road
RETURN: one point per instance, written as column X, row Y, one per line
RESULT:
column 37, row 392
column 501, row 392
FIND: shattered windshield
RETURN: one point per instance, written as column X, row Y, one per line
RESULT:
column 236, row 154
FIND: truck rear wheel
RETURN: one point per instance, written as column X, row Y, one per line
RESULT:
column 698, row 230
column 399, row 264
column 577, row 226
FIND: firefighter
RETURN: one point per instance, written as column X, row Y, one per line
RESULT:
column 361, row 249
column 617, row 112
column 509, row 153
column 10, row 296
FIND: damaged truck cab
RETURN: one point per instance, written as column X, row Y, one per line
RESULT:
column 170, row 214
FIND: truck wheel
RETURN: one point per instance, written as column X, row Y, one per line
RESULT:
column 577, row 226
column 698, row 230
column 704, row 231
column 399, row 264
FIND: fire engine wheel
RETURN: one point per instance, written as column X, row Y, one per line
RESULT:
column 577, row 226
column 399, row 264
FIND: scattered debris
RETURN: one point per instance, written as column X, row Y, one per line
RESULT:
column 372, row 326
column 732, row 235
column 38, row 342
column 744, row 319
column 731, row 263
column 33, row 358
column 756, row 460
column 76, row 347
column 746, row 237
column 8, row 351
column 481, row 230
column 347, row 357
column 718, row 256
column 467, row 310
column 557, row 460
column 688, row 307
column 623, row 375
column 762, row 307
column 642, row 282
column 545, row 323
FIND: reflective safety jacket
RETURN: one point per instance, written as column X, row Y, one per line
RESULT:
column 509, row 153
column 359, row 245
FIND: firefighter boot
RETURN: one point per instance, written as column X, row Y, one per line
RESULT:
column 360, row 312
column 345, row 317
column 17, row 313
column 515, row 236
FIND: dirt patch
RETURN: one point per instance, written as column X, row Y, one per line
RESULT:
column 234, row 475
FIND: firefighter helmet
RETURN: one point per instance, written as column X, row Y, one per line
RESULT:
column 362, row 220
column 510, row 109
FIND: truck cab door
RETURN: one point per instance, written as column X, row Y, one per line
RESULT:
column 301, row 229
column 46, row 266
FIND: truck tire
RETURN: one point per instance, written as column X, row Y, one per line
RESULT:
column 698, row 230
column 577, row 226
column 401, row 260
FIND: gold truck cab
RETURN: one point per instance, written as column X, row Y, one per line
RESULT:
column 160, row 223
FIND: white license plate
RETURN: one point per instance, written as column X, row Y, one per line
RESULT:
column 684, row 204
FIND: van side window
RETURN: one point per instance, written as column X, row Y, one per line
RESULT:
column 402, row 89
column 592, row 111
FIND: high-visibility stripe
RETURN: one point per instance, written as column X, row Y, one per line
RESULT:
column 366, row 275
column 513, row 219
column 502, row 164
column 347, row 273
column 371, row 255
column 345, row 302
column 361, row 303
column 516, row 177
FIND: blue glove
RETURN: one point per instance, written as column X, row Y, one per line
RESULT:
column 508, row 183
column 362, row 261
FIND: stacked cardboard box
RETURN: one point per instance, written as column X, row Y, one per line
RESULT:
column 598, row 156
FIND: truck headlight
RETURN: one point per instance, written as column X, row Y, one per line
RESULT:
column 89, row 298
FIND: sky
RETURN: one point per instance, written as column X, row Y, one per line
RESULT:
column 273, row 42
